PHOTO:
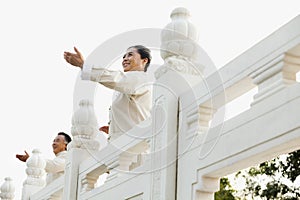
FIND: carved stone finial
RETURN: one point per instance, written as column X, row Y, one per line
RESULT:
column 35, row 174
column 180, row 12
column 7, row 189
column 178, row 36
column 84, row 127
column 36, row 161
column 35, row 169
column 179, row 47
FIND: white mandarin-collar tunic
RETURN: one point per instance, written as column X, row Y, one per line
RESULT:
column 132, row 100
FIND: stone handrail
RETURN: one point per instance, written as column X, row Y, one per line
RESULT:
column 53, row 190
column 246, row 71
column 119, row 157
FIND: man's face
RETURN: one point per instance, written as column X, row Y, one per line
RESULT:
column 59, row 144
column 132, row 61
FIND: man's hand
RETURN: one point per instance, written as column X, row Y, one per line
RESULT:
column 75, row 59
column 23, row 157
column 104, row 129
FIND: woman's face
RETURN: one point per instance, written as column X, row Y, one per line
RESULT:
column 132, row 61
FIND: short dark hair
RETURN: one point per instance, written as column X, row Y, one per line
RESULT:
column 67, row 137
column 144, row 52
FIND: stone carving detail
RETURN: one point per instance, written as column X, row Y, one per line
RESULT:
column 35, row 169
column 179, row 47
column 113, row 171
column 7, row 189
column 133, row 157
column 156, row 147
column 84, row 127
column 179, row 64
column 88, row 183
column 196, row 121
column 275, row 75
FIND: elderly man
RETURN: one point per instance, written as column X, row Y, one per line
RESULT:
column 55, row 167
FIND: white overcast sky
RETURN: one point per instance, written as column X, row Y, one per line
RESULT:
column 37, row 85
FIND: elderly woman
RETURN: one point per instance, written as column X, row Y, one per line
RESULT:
column 133, row 100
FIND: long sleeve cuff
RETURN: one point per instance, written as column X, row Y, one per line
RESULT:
column 86, row 71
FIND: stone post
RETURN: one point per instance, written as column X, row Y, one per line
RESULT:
column 180, row 71
column 84, row 130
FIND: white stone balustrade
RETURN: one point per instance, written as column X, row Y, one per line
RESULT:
column 120, row 158
column 244, row 140
column 186, row 155
column 7, row 189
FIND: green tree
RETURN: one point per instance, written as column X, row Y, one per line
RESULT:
column 273, row 179
column 226, row 191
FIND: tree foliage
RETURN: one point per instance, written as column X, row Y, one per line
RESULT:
column 226, row 191
column 273, row 179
